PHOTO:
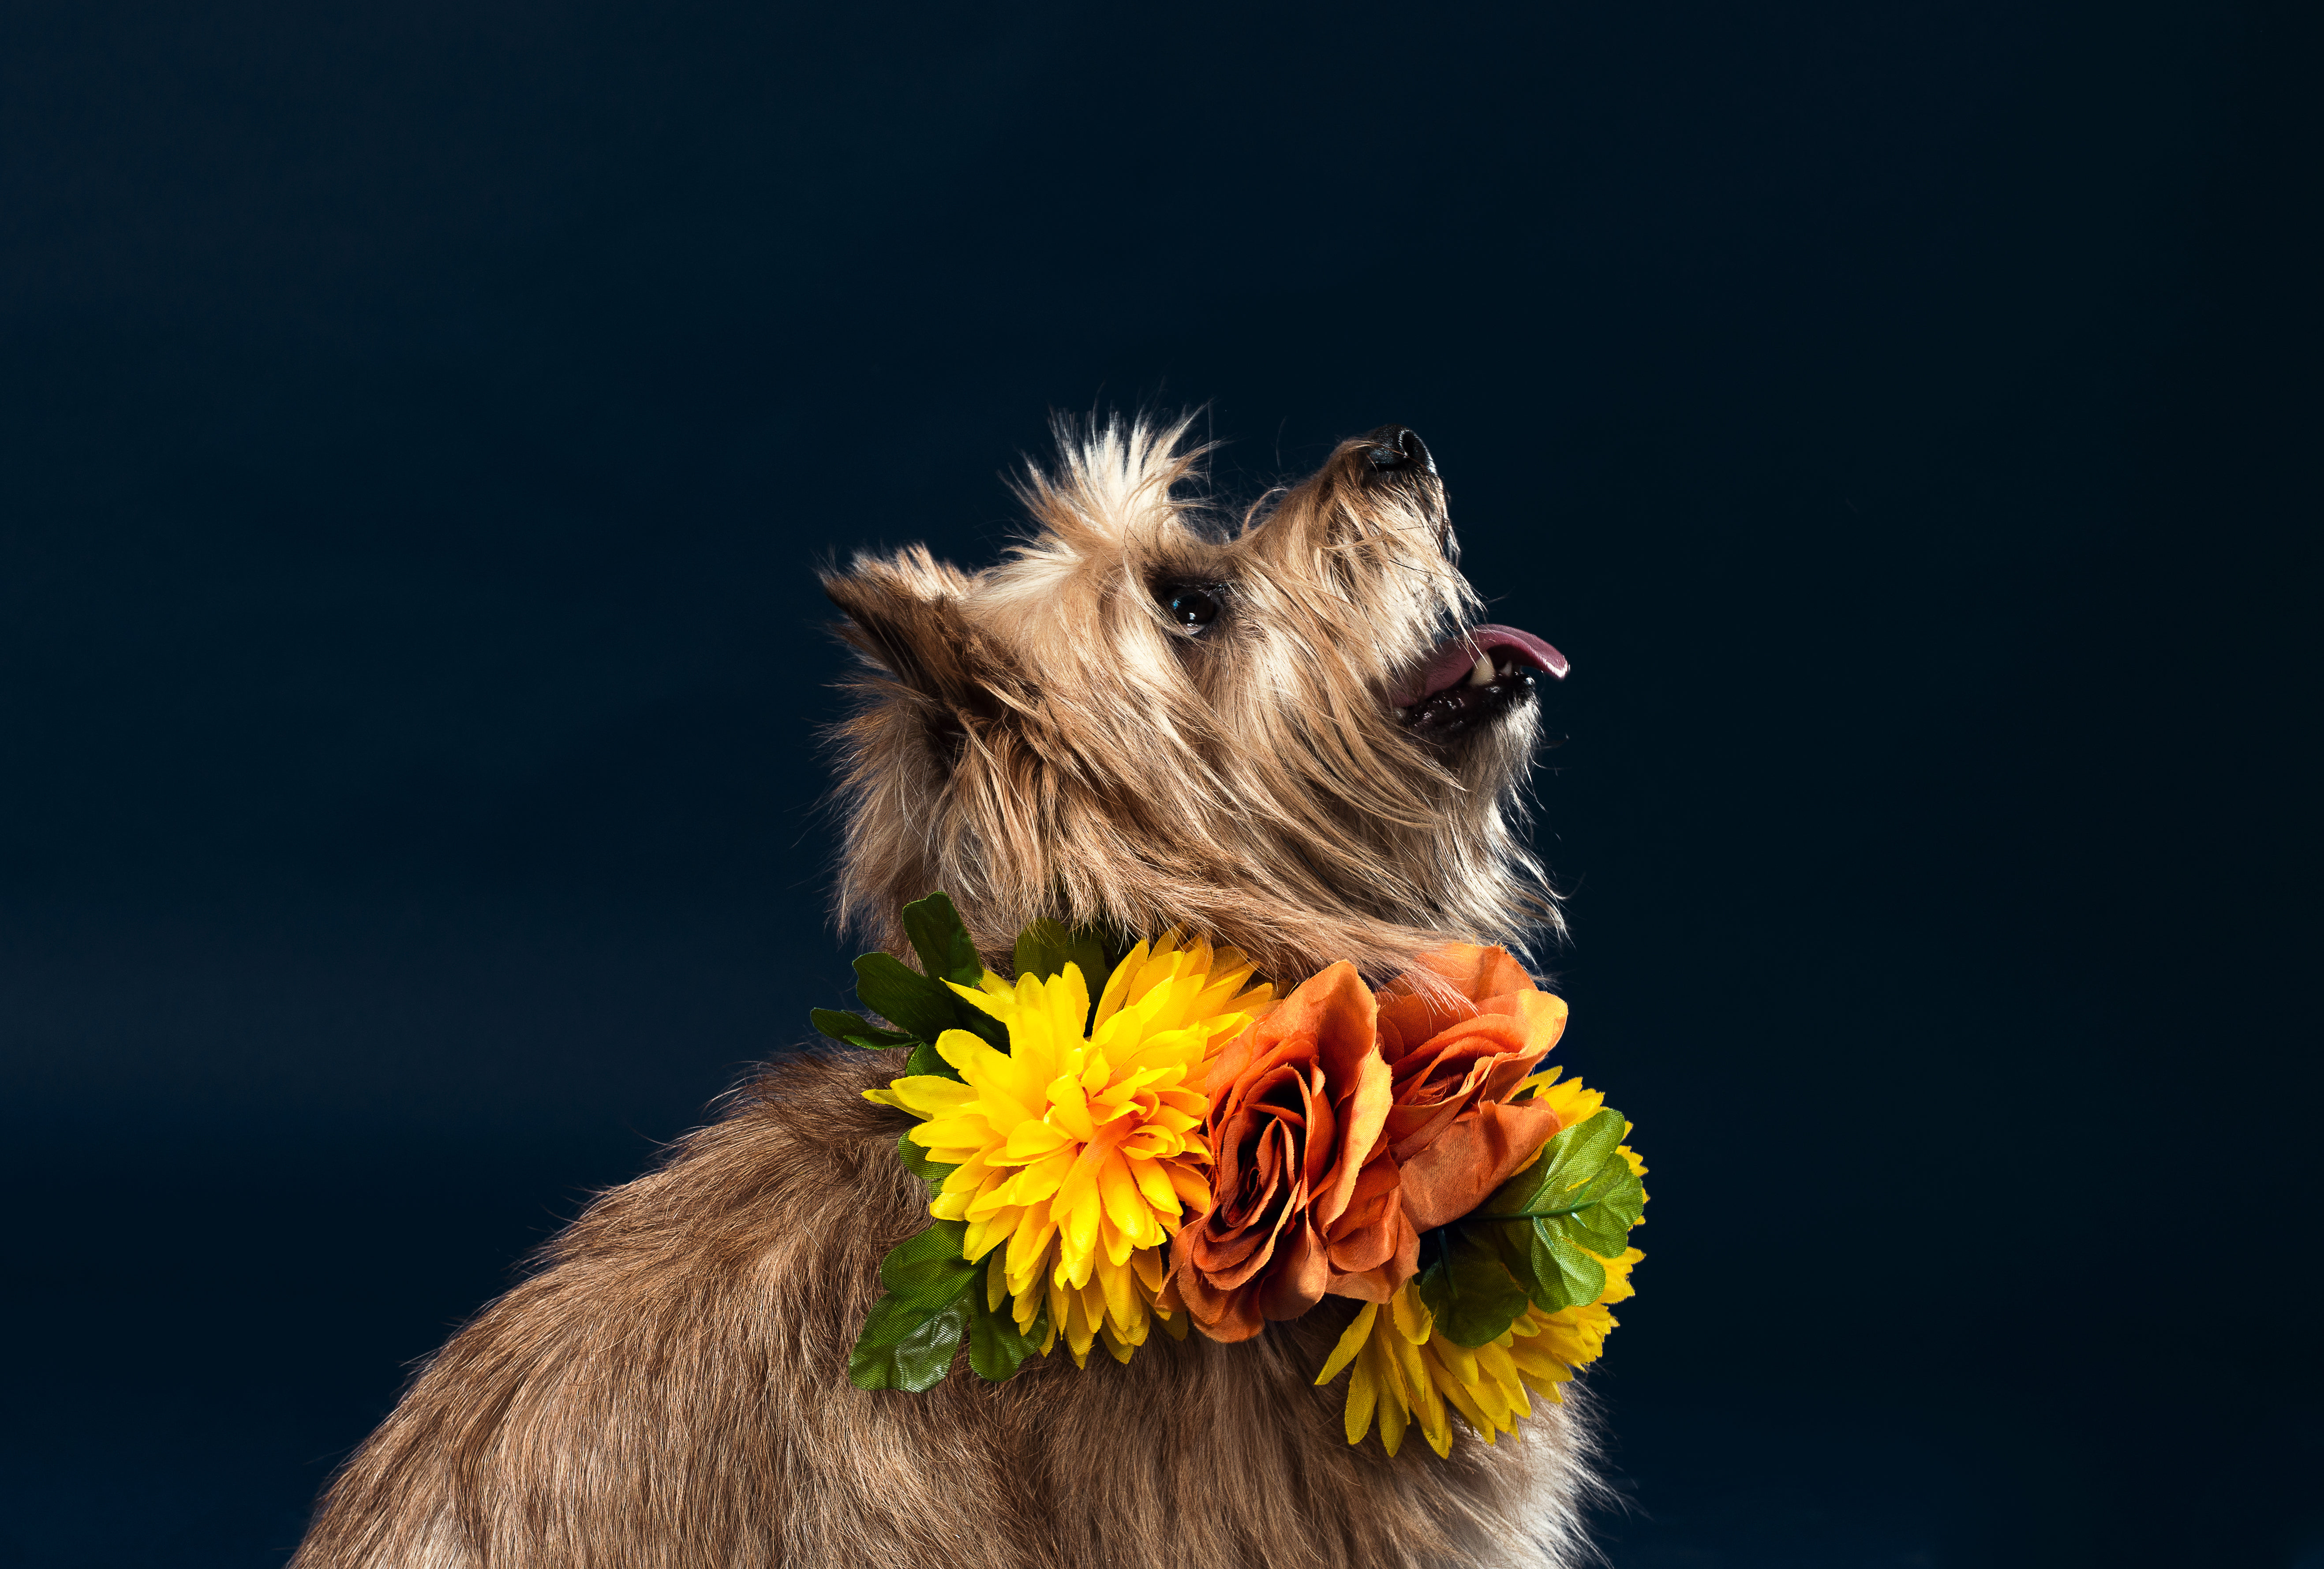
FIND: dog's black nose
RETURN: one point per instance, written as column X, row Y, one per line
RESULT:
column 1394, row 447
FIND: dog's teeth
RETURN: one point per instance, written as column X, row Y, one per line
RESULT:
column 1482, row 676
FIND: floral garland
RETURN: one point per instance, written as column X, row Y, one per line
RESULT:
column 1183, row 1148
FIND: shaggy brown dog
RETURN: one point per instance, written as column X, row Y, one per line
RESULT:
column 1286, row 736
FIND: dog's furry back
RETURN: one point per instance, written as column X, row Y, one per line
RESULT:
column 671, row 1393
column 670, row 1390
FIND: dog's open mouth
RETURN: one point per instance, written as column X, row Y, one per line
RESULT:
column 1474, row 678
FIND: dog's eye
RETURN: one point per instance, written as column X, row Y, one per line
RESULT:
column 1192, row 608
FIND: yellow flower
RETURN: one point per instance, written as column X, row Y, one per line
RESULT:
column 1405, row 1371
column 1394, row 1379
column 1568, row 1338
column 1569, row 1100
column 1082, row 1154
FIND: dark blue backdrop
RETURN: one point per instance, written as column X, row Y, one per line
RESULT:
column 421, row 423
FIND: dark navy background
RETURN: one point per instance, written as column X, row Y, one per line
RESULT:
column 421, row 424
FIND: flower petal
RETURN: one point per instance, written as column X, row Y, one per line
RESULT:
column 1350, row 1342
column 931, row 1095
column 1029, row 1141
column 1475, row 1155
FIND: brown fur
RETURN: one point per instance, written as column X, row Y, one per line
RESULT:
column 670, row 1390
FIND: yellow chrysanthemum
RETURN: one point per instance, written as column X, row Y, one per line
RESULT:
column 1405, row 1370
column 1082, row 1154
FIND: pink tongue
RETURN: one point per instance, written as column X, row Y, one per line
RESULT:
column 1456, row 659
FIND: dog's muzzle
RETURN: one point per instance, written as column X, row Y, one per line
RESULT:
column 1474, row 679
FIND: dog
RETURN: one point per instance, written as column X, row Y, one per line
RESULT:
column 1287, row 733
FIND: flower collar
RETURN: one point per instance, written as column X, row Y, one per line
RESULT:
column 1122, row 1139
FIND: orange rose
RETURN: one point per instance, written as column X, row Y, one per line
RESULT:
column 1298, row 1102
column 1460, row 1033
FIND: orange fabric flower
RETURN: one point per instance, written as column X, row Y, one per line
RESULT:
column 1298, row 1105
column 1459, row 1034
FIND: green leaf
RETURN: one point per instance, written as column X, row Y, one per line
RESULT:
column 1574, row 1157
column 910, row 1334
column 1567, row 1275
column 1627, row 1200
column 907, row 1347
column 995, row 1348
column 915, row 1161
column 1542, row 1227
column 1512, row 1243
column 1472, row 1296
column 927, row 1060
column 1617, row 1202
column 922, row 1006
column 1551, row 1257
column 945, row 952
column 895, row 991
column 1580, row 1198
column 854, row 1030
column 982, row 1025
column 1047, row 946
column 927, row 1269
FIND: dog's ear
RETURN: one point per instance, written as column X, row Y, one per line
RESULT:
column 904, row 616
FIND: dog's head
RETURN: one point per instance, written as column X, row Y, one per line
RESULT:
column 1292, row 737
